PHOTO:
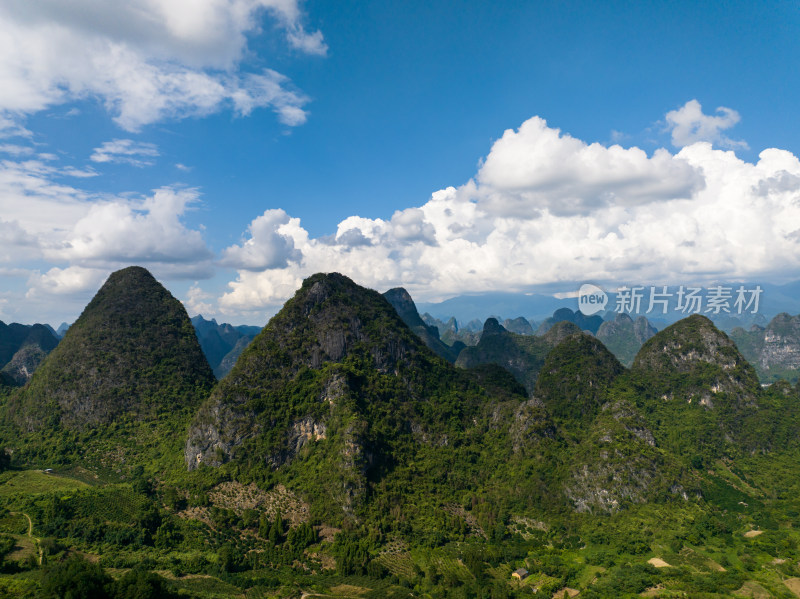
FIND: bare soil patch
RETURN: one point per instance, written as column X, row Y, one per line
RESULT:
column 793, row 584
column 753, row 590
column 658, row 562
column 752, row 533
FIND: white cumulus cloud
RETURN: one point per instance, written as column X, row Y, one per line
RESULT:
column 145, row 60
column 133, row 232
column 689, row 125
column 65, row 281
column 537, row 167
column 83, row 236
column 267, row 247
column 545, row 208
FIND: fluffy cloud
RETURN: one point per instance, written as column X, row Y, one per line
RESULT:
column 83, row 236
column 547, row 209
column 538, row 168
column 689, row 125
column 197, row 300
column 14, row 239
column 65, row 281
column 144, row 231
column 267, row 247
column 146, row 60
column 126, row 151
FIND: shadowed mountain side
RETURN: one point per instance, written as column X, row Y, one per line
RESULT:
column 131, row 354
column 624, row 337
column 402, row 302
column 521, row 355
column 22, row 350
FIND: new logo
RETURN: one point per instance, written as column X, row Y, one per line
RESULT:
column 591, row 299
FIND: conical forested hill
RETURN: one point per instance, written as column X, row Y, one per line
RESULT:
column 575, row 378
column 694, row 361
column 131, row 355
column 698, row 386
column 335, row 394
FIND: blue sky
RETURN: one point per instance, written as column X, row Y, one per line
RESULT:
column 234, row 147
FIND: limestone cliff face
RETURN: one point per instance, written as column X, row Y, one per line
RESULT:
column 334, row 393
column 699, row 391
column 618, row 463
column 774, row 350
column 22, row 365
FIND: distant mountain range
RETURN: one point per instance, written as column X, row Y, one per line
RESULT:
column 772, row 300
column 222, row 343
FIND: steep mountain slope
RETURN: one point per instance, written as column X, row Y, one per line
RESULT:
column 402, row 302
column 132, row 354
column 335, row 393
column 773, row 350
column 617, row 463
column 698, row 386
column 624, row 337
column 575, row 378
column 692, row 360
column 22, row 349
column 521, row 355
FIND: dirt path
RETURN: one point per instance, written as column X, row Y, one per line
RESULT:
column 36, row 540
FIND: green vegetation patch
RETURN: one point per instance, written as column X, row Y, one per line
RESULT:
column 31, row 482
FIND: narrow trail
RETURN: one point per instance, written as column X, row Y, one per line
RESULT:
column 36, row 540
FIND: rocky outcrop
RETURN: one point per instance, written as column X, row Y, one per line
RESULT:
column 618, row 463
column 530, row 424
column 301, row 433
column 22, row 365
column 774, row 350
